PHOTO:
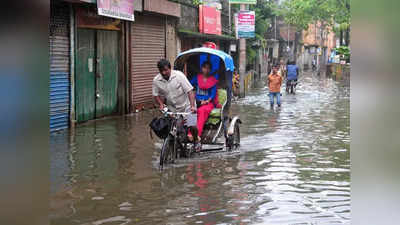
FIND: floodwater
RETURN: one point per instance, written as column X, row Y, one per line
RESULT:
column 293, row 167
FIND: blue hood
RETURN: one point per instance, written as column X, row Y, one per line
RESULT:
column 227, row 59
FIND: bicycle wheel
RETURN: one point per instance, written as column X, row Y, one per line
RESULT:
column 236, row 136
column 165, row 150
column 174, row 148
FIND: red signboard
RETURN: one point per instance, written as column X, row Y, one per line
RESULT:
column 209, row 20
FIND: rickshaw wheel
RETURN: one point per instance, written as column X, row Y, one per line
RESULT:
column 233, row 141
column 188, row 151
column 236, row 136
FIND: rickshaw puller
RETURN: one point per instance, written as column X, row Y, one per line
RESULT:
column 171, row 87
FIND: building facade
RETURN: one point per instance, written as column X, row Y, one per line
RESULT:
column 318, row 43
column 152, row 37
column 102, row 66
column 189, row 28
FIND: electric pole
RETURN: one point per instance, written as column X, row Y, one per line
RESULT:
column 242, row 61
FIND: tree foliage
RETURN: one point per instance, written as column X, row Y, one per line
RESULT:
column 344, row 52
column 301, row 13
column 264, row 12
column 263, row 17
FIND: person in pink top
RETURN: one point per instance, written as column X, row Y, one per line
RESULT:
column 206, row 91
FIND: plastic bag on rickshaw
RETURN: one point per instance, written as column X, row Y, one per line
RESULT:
column 160, row 126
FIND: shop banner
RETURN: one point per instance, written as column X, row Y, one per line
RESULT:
column 120, row 9
column 243, row 2
column 209, row 20
column 246, row 24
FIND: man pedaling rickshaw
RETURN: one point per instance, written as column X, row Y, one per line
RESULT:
column 171, row 87
column 182, row 132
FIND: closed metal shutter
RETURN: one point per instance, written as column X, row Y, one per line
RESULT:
column 148, row 46
column 59, row 65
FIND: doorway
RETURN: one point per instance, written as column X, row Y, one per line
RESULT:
column 96, row 77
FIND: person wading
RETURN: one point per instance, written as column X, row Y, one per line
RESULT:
column 274, row 85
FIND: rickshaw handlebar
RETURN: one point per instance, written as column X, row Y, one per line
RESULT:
column 166, row 112
column 177, row 113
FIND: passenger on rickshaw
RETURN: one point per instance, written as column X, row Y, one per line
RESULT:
column 206, row 91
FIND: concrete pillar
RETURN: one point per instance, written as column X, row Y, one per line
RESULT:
column 242, row 61
column 170, row 39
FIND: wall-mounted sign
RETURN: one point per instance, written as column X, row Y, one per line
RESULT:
column 233, row 48
column 243, row 1
column 245, row 24
column 120, row 9
column 209, row 20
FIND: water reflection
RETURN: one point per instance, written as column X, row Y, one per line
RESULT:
column 293, row 168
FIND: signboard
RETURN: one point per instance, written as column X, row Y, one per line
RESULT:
column 242, row 1
column 233, row 47
column 209, row 20
column 120, row 9
column 246, row 24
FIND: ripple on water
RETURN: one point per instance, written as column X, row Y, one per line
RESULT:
column 293, row 168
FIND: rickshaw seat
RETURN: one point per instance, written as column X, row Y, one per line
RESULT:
column 215, row 116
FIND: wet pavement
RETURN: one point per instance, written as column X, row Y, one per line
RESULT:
column 293, row 167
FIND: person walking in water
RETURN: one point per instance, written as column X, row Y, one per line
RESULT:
column 274, row 85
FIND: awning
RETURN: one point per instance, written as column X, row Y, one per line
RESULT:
column 193, row 34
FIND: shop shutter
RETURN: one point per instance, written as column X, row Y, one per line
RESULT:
column 59, row 57
column 148, row 46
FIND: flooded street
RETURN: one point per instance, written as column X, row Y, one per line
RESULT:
column 293, row 167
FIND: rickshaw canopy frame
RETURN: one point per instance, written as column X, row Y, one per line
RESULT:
column 227, row 59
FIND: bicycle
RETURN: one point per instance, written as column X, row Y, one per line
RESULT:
column 176, row 139
column 291, row 86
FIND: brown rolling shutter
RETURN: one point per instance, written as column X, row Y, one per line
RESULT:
column 148, row 46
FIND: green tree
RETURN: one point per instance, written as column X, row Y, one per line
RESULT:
column 263, row 17
column 328, row 13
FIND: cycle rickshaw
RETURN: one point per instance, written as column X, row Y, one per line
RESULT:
column 221, row 131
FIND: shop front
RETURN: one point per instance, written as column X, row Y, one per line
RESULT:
column 98, row 64
column 59, row 65
column 152, row 37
